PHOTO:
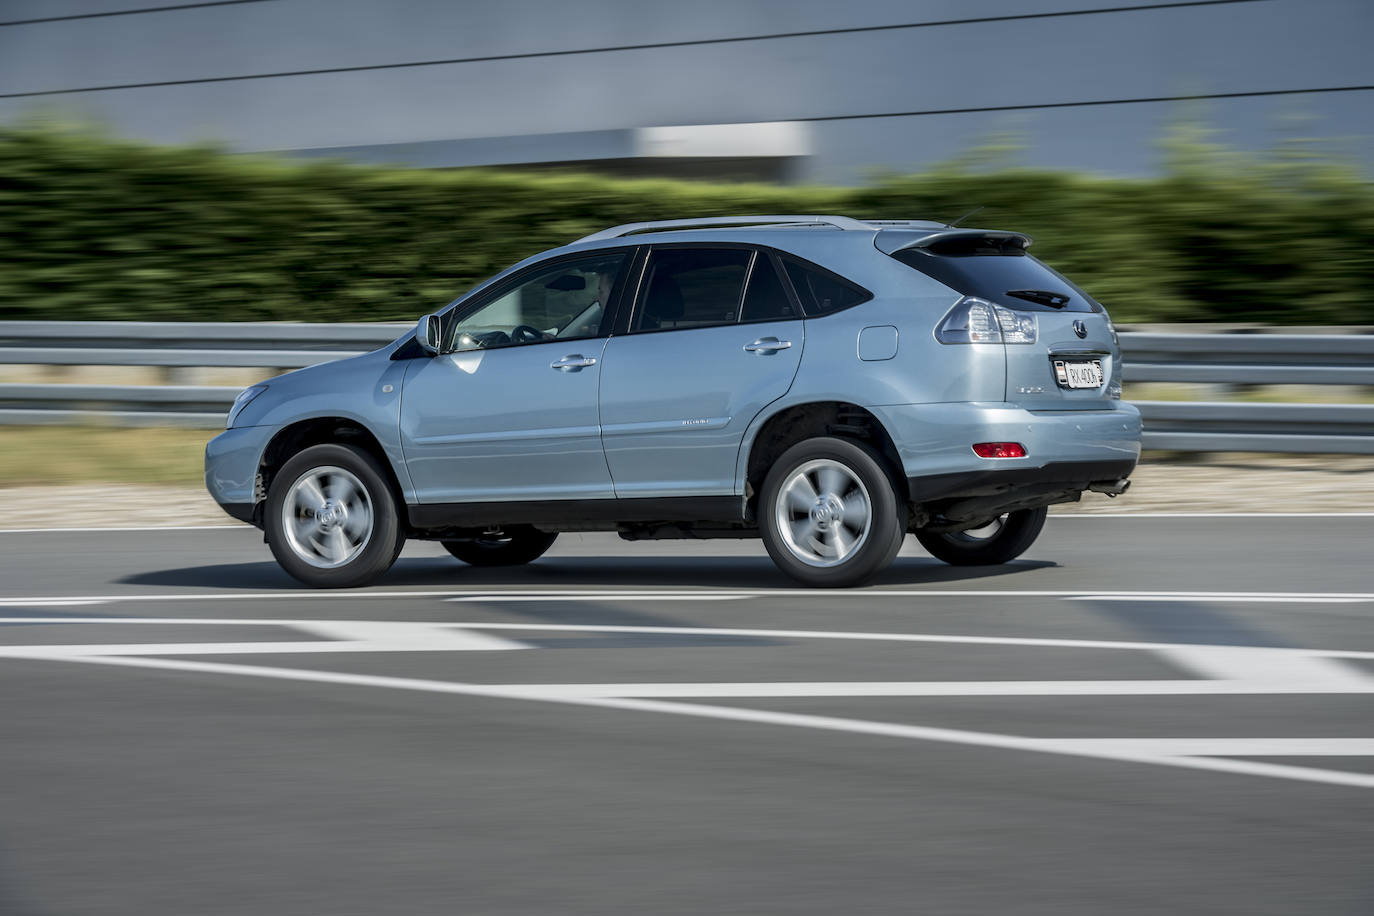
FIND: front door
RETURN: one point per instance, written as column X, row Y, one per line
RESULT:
column 509, row 411
column 713, row 340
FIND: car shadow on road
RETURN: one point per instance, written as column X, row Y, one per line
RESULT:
column 577, row 572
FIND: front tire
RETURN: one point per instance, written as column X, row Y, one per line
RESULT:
column 331, row 518
column 999, row 541
column 509, row 545
column 829, row 513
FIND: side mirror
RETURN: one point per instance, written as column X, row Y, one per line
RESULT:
column 427, row 334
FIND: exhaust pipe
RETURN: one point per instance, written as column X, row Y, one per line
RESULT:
column 1113, row 488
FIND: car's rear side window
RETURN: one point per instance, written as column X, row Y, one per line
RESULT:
column 765, row 299
column 992, row 272
column 822, row 292
column 692, row 288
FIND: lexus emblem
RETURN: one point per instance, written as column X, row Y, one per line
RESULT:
column 1080, row 328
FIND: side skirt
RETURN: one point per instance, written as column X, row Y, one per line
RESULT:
column 579, row 514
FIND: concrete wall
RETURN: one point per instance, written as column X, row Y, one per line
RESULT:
column 886, row 97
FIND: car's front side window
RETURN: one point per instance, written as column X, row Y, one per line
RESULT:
column 566, row 301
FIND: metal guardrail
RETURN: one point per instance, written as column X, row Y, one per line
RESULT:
column 1214, row 358
column 1190, row 426
column 1249, row 359
column 196, row 406
column 178, row 344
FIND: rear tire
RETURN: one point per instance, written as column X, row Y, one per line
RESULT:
column 829, row 513
column 515, row 545
column 1013, row 536
column 331, row 518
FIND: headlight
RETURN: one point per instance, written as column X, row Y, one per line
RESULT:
column 242, row 401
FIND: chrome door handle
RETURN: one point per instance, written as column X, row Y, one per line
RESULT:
column 767, row 345
column 573, row 362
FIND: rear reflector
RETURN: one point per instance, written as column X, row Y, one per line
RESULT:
column 999, row 450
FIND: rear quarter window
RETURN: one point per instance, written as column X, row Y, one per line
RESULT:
column 820, row 291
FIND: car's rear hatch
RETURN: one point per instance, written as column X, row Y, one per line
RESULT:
column 1073, row 361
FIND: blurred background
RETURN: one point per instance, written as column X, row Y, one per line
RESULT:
column 1200, row 167
column 198, row 195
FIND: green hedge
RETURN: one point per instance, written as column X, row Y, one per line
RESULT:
column 95, row 228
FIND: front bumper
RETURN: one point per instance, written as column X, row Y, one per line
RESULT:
column 231, row 468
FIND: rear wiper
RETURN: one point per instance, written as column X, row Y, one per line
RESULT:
column 1043, row 297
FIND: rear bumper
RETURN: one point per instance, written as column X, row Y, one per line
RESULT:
column 1058, row 475
column 1067, row 451
column 934, row 440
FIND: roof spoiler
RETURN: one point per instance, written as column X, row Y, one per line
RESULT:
column 893, row 241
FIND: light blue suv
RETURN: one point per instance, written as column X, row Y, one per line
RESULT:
column 824, row 383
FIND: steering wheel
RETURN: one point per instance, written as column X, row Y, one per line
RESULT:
column 523, row 333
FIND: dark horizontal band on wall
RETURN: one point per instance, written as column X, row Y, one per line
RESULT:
column 646, row 46
column 169, row 8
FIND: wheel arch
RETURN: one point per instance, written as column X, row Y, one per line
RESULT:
column 302, row 434
column 776, row 431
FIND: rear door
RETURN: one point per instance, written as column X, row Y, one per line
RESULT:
column 713, row 338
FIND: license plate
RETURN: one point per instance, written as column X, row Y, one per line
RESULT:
column 1075, row 373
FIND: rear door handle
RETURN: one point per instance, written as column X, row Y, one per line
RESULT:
column 767, row 345
column 573, row 362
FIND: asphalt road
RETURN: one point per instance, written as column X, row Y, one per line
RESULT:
column 1142, row 715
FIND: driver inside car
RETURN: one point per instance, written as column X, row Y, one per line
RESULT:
column 588, row 321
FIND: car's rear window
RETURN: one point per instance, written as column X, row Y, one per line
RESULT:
column 993, row 271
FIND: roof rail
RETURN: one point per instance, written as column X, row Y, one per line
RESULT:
column 665, row 225
column 905, row 224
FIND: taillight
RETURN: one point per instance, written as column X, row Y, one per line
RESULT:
column 974, row 320
column 999, row 450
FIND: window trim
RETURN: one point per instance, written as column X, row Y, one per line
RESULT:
column 461, row 309
column 635, row 306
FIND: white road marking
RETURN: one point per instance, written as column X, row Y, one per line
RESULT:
column 901, row 637
column 1212, row 515
column 1122, row 753
column 1230, row 747
column 303, row 623
column 406, row 637
column 943, row 689
column 703, row 594
column 1227, row 599
column 244, row 527
column 51, row 602
column 606, row 596
column 324, row 647
column 1244, row 669
column 1264, row 665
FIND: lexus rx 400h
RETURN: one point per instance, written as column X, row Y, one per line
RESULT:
column 826, row 384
